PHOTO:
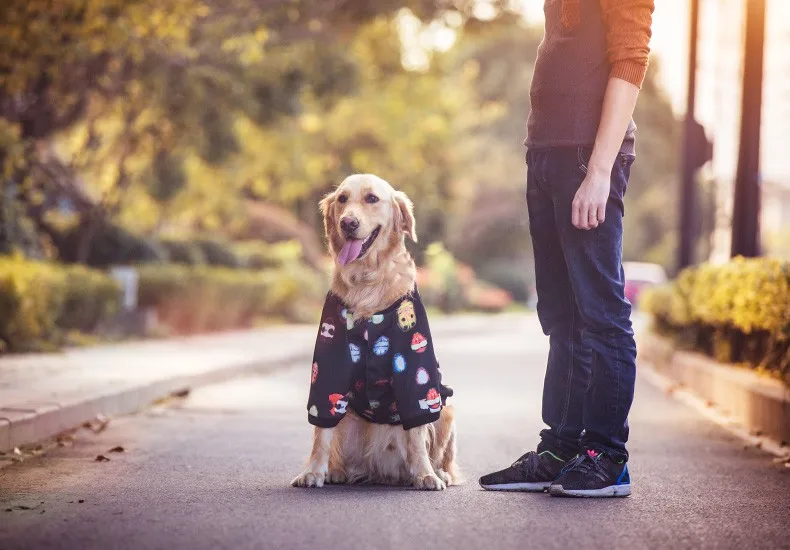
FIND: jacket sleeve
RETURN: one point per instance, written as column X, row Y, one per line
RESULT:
column 628, row 32
column 416, row 379
column 331, row 369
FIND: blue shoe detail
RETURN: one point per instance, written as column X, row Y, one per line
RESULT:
column 624, row 478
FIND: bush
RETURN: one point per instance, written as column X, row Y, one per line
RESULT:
column 201, row 299
column 90, row 297
column 263, row 255
column 451, row 286
column 737, row 312
column 183, row 252
column 111, row 245
column 218, row 253
column 39, row 301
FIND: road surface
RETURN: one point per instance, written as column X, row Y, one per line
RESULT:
column 213, row 472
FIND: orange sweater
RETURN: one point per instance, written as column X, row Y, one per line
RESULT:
column 628, row 34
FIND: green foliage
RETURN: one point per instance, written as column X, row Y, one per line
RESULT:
column 737, row 312
column 451, row 287
column 90, row 297
column 39, row 301
column 111, row 245
column 218, row 253
column 183, row 252
column 198, row 299
column 263, row 255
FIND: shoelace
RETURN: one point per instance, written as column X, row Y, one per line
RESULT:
column 584, row 463
column 528, row 462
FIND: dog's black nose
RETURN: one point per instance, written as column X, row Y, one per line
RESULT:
column 349, row 225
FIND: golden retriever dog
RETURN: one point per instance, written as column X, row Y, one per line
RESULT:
column 366, row 222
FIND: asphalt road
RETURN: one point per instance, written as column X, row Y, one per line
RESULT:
column 213, row 472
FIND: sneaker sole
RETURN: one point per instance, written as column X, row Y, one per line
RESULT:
column 611, row 491
column 535, row 487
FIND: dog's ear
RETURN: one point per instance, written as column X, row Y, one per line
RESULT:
column 328, row 212
column 404, row 217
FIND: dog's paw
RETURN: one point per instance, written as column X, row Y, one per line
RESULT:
column 309, row 479
column 445, row 477
column 336, row 477
column 430, row 482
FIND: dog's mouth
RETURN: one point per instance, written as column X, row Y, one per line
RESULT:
column 353, row 249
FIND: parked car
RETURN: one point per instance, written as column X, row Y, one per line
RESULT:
column 640, row 275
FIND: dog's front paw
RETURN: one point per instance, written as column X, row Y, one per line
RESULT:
column 309, row 479
column 336, row 477
column 430, row 482
column 445, row 477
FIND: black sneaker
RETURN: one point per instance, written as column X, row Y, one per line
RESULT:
column 532, row 472
column 593, row 474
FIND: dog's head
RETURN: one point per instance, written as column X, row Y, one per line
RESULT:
column 365, row 217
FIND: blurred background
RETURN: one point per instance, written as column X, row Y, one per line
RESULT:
column 193, row 140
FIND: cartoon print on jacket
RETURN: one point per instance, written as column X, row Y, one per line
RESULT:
column 390, row 377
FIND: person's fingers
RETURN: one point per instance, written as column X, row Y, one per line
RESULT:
column 584, row 216
column 601, row 214
column 592, row 217
column 576, row 213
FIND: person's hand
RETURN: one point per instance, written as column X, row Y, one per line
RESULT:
column 589, row 204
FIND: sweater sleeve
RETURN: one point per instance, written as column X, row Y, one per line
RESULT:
column 332, row 369
column 628, row 32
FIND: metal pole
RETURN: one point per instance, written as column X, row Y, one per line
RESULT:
column 688, row 198
column 746, row 212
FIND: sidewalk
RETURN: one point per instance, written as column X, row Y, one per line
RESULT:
column 42, row 395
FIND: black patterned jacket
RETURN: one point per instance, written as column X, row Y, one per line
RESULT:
column 384, row 368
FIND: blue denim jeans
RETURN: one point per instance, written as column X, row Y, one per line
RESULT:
column 582, row 307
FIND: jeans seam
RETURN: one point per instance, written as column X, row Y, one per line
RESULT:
column 572, row 328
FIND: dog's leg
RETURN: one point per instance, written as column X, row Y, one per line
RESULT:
column 444, row 450
column 422, row 473
column 338, row 473
column 318, row 465
column 449, row 465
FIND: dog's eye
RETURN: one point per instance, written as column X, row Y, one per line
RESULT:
column 342, row 199
column 371, row 199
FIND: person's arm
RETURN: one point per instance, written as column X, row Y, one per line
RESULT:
column 628, row 37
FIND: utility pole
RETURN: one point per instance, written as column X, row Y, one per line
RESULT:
column 746, row 211
column 697, row 150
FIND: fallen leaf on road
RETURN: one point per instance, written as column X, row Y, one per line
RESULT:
column 117, row 449
column 81, row 500
column 101, row 458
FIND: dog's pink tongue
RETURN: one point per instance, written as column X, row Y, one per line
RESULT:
column 350, row 251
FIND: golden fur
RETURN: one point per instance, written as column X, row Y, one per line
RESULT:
column 357, row 451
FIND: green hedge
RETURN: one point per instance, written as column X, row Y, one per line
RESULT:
column 263, row 255
column 40, row 302
column 737, row 312
column 200, row 299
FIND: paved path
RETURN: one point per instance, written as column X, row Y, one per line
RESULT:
column 214, row 473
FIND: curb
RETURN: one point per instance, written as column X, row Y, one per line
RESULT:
column 34, row 422
column 760, row 405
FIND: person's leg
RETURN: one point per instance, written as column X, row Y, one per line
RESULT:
column 594, row 260
column 567, row 372
column 568, row 366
